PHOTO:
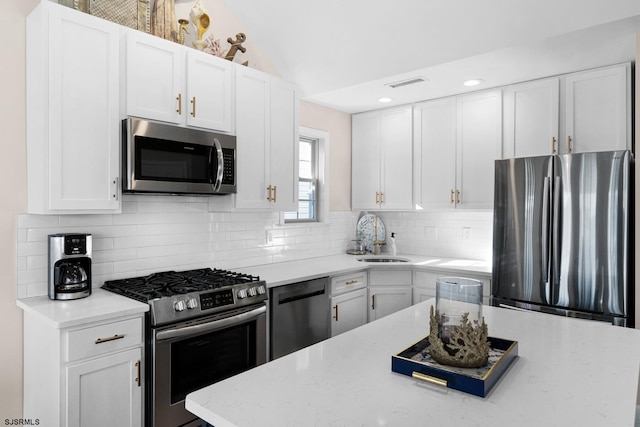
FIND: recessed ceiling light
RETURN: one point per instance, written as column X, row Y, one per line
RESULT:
column 473, row 82
column 384, row 100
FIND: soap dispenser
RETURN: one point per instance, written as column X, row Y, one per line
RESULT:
column 392, row 245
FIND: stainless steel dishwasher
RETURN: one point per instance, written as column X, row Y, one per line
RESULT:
column 299, row 316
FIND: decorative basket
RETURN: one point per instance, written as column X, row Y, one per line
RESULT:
column 130, row 13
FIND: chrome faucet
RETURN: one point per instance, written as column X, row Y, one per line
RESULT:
column 376, row 243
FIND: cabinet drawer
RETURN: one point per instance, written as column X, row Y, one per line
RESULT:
column 348, row 282
column 389, row 277
column 101, row 339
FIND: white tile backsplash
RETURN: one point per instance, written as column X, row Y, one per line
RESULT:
column 157, row 233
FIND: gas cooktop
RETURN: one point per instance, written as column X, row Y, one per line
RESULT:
column 183, row 295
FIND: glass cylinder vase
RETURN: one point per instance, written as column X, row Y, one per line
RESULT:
column 456, row 296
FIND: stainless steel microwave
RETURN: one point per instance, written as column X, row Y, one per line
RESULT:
column 164, row 158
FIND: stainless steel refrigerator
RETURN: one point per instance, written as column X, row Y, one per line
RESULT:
column 562, row 235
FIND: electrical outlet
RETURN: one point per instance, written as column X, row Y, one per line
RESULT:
column 269, row 238
column 431, row 233
column 466, row 233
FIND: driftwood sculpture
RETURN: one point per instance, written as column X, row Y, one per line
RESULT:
column 163, row 20
column 236, row 45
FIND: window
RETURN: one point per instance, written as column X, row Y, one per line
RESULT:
column 307, row 183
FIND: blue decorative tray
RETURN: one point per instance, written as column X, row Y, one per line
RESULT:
column 416, row 362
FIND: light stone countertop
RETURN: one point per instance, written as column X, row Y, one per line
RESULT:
column 284, row 273
column 100, row 305
column 569, row 372
column 104, row 305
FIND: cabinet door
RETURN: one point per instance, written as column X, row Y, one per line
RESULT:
column 531, row 119
column 209, row 92
column 479, row 140
column 424, row 285
column 252, row 132
column 348, row 311
column 83, row 112
column 155, row 78
column 365, row 161
column 283, row 166
column 396, row 167
column 387, row 300
column 435, row 148
column 597, row 110
column 106, row 391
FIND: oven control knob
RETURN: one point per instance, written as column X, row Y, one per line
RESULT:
column 192, row 303
column 179, row 305
column 252, row 292
column 261, row 290
column 242, row 293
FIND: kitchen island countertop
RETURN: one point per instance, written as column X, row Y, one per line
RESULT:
column 569, row 372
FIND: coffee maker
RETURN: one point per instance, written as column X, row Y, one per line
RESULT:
column 69, row 266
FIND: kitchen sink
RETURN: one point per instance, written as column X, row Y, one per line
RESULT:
column 383, row 259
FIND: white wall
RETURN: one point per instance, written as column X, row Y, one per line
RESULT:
column 338, row 124
column 13, row 179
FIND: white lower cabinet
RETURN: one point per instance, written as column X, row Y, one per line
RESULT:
column 105, row 391
column 89, row 375
column 389, row 291
column 348, row 302
column 348, row 311
column 424, row 284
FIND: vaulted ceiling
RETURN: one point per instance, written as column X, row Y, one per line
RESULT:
column 343, row 53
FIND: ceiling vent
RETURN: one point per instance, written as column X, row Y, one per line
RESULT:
column 407, row 82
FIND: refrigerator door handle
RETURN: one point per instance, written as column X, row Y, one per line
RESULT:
column 555, row 248
column 546, row 209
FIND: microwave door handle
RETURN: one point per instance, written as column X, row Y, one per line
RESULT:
column 220, row 171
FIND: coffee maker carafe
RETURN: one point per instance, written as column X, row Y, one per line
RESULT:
column 69, row 266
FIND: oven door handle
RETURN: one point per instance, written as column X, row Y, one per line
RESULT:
column 211, row 326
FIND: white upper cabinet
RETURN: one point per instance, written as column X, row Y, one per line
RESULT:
column 267, row 135
column 531, row 118
column 168, row 82
column 72, row 112
column 574, row 113
column 365, row 161
column 457, row 140
column 382, row 147
column 479, row 139
column 283, row 164
column 597, row 110
column 435, row 153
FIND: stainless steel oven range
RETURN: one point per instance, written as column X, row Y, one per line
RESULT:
column 203, row 326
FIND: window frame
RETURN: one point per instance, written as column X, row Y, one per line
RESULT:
column 315, row 181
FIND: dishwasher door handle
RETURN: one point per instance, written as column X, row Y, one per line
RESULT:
column 293, row 298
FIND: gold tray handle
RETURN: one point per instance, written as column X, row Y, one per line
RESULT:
column 427, row 378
